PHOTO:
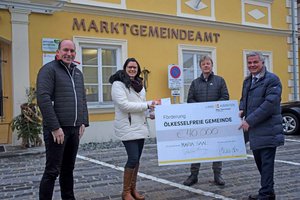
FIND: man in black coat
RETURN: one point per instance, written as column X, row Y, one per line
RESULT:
column 261, row 114
column 207, row 87
column 62, row 101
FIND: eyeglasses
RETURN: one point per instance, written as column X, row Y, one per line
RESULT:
column 132, row 67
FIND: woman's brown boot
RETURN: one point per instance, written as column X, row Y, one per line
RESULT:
column 134, row 192
column 126, row 194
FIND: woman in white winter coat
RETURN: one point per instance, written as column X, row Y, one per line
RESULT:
column 130, row 122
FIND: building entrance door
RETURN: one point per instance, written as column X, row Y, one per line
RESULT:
column 5, row 94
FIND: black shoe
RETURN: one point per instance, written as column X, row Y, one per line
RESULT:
column 191, row 180
column 256, row 197
column 219, row 179
column 253, row 197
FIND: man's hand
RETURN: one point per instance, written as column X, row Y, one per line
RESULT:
column 241, row 113
column 81, row 130
column 58, row 136
column 245, row 126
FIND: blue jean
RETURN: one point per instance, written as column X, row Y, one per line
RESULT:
column 134, row 149
column 60, row 161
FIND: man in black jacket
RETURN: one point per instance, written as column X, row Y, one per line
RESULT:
column 62, row 101
column 207, row 87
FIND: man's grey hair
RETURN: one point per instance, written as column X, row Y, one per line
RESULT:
column 206, row 57
column 256, row 53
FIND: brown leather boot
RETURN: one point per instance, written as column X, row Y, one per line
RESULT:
column 134, row 192
column 126, row 194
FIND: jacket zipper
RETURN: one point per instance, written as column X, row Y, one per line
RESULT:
column 206, row 80
column 75, row 94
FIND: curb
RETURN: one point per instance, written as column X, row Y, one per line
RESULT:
column 22, row 152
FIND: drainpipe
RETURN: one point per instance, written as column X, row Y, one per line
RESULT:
column 294, row 47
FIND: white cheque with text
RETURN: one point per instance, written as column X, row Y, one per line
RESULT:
column 199, row 132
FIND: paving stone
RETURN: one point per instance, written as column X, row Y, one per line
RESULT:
column 20, row 174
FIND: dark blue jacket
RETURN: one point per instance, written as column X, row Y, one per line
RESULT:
column 261, row 105
column 212, row 89
column 61, row 96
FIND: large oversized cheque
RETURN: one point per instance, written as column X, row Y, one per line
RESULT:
column 199, row 132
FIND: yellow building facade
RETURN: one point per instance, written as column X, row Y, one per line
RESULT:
column 157, row 33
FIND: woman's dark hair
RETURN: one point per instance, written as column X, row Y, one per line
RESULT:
column 122, row 76
column 133, row 60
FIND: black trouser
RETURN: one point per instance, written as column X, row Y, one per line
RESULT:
column 264, row 159
column 60, row 160
column 216, row 166
column 134, row 149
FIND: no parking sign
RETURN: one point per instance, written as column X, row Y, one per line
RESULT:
column 175, row 77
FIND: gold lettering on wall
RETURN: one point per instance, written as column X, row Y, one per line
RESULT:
column 144, row 30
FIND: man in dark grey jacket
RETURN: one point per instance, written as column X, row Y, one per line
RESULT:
column 261, row 113
column 62, row 101
column 207, row 87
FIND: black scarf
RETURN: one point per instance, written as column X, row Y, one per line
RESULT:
column 137, row 85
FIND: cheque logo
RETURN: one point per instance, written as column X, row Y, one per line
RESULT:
column 227, row 105
column 197, row 133
column 217, row 107
column 222, row 107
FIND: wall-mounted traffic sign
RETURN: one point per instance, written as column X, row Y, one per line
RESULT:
column 175, row 77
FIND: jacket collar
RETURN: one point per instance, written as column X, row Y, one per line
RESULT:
column 208, row 78
column 72, row 66
column 262, row 74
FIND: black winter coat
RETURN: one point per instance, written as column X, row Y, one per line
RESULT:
column 214, row 89
column 260, row 104
column 61, row 96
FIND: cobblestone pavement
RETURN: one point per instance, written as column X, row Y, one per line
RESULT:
column 98, row 175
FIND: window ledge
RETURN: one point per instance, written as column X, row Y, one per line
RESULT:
column 100, row 110
column 265, row 1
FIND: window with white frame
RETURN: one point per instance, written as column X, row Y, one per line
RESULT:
column 189, row 57
column 98, row 64
column 99, row 60
column 268, row 60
